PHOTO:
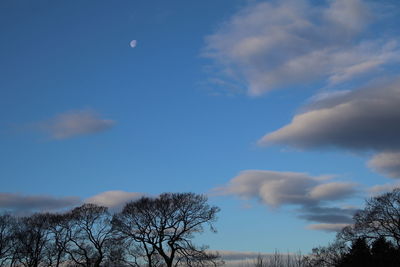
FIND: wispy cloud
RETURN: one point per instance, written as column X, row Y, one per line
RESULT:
column 20, row 203
column 311, row 194
column 275, row 44
column 328, row 215
column 241, row 258
column 74, row 123
column 328, row 227
column 384, row 188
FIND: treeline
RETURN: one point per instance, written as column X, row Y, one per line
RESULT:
column 147, row 232
column 278, row 259
column 158, row 232
column 372, row 241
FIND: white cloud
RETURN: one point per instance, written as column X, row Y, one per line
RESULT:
column 270, row 45
column 113, row 199
column 311, row 194
column 387, row 163
column 353, row 15
column 380, row 189
column 277, row 188
column 75, row 123
column 366, row 119
column 332, row 191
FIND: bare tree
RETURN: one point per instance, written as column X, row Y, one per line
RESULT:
column 120, row 254
column 280, row 260
column 165, row 226
column 59, row 234
column 138, row 254
column 7, row 226
column 298, row 260
column 90, row 235
column 376, row 226
column 31, row 237
column 379, row 218
column 328, row 256
column 260, row 261
column 276, row 260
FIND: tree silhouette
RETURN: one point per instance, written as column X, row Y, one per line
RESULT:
column 359, row 255
column 31, row 238
column 7, row 238
column 327, row 256
column 164, row 227
column 59, row 229
column 384, row 253
column 374, row 237
column 91, row 234
column 379, row 218
column 150, row 231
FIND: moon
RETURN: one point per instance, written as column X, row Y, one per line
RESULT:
column 133, row 43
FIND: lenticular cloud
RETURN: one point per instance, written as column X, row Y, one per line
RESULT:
column 313, row 195
column 362, row 120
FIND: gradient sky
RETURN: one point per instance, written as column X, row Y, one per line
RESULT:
column 286, row 112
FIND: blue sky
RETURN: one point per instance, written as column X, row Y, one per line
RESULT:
column 285, row 112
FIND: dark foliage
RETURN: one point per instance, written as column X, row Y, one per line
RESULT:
column 372, row 241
